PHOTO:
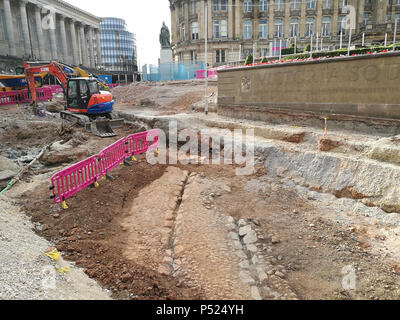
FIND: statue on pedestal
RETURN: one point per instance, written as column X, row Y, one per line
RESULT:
column 165, row 37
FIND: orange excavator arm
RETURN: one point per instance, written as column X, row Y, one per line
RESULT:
column 52, row 68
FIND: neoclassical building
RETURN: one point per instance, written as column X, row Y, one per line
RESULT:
column 118, row 46
column 49, row 30
column 237, row 27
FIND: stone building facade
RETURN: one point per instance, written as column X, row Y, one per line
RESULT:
column 48, row 30
column 237, row 27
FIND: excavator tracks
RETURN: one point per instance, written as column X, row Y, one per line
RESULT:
column 99, row 127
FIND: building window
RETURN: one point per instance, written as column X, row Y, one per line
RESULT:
column 247, row 29
column 193, row 7
column 295, row 4
column 263, row 52
column 216, row 5
column 223, row 5
column 278, row 28
column 342, row 4
column 248, row 6
column 367, row 16
column 397, row 17
column 224, row 29
column 326, row 26
column 262, row 29
column 263, row 5
column 342, row 25
column 220, row 29
column 310, row 4
column 182, row 32
column 216, row 29
column 309, row 27
column 193, row 56
column 220, row 56
column 278, row 5
column 294, row 27
column 326, row 4
column 195, row 30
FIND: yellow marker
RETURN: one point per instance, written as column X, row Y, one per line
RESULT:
column 64, row 205
column 133, row 158
column 96, row 184
column 326, row 126
column 64, row 270
column 156, row 152
column 54, row 255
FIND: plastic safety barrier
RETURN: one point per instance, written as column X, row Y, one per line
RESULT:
column 73, row 179
column 68, row 182
column 112, row 156
column 142, row 142
column 22, row 96
column 201, row 74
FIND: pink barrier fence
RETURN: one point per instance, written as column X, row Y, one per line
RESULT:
column 70, row 181
column 22, row 96
column 54, row 88
column 201, row 74
column 113, row 155
column 67, row 182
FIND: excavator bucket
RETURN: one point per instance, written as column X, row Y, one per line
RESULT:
column 101, row 128
column 104, row 127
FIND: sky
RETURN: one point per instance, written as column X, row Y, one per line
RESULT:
column 144, row 18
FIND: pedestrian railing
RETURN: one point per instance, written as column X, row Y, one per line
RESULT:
column 70, row 181
column 22, row 96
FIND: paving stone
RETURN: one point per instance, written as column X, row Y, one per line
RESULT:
column 252, row 248
column 244, row 230
column 246, row 277
column 244, row 264
column 234, row 236
column 255, row 293
column 241, row 254
column 250, row 238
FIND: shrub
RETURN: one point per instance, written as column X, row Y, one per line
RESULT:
column 264, row 60
column 307, row 48
column 249, row 59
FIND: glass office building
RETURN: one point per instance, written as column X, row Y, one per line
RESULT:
column 118, row 47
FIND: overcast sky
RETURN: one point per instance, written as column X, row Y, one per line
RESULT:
column 144, row 18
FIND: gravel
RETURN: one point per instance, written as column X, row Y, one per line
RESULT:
column 26, row 273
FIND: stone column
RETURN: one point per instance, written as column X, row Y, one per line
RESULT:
column 39, row 30
column 9, row 28
column 25, row 28
column 75, row 53
column 230, row 20
column 64, row 40
column 98, row 47
column 84, row 51
column 53, row 41
column 238, row 19
column 91, row 48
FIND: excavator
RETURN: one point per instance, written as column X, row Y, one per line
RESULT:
column 73, row 71
column 86, row 104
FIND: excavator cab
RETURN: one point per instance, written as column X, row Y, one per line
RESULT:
column 84, row 96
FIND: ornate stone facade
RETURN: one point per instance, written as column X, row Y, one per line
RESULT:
column 235, row 27
column 49, row 30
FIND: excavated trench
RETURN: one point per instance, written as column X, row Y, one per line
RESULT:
column 286, row 231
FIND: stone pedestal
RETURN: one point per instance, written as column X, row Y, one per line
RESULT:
column 166, row 56
column 166, row 65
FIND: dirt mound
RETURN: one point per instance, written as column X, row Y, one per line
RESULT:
column 90, row 234
column 328, row 144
